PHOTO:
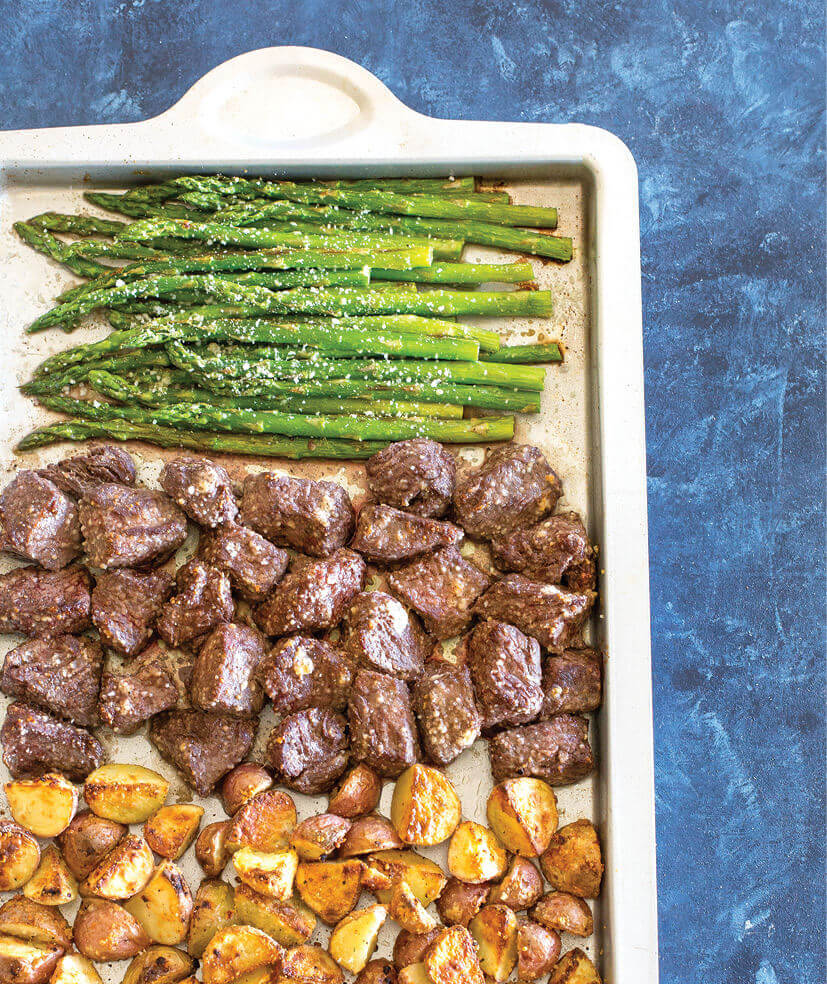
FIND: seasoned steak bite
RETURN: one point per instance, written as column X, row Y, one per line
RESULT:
column 308, row 750
column 203, row 601
column 442, row 589
column 37, row 602
column 385, row 535
column 572, row 682
column 34, row 742
column 557, row 751
column 202, row 746
column 514, row 487
column 313, row 517
column 417, row 476
column 314, row 598
column 505, row 667
column 126, row 527
column 58, row 673
column 447, row 712
column 126, row 605
column 556, row 551
column 224, row 676
column 379, row 633
column 253, row 564
column 81, row 473
column 39, row 522
column 132, row 693
column 201, row 488
column 382, row 727
column 300, row 672
column 551, row 614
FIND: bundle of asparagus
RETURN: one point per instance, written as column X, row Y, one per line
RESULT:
column 293, row 319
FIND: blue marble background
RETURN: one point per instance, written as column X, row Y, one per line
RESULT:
column 723, row 107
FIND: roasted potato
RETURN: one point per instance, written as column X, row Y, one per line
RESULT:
column 353, row 941
column 22, row 962
column 377, row 972
column 537, row 951
column 375, row 880
column 369, row 834
column 521, row 887
column 52, row 883
column 330, row 888
column 28, row 920
column 125, row 793
column 105, row 931
column 269, row 873
column 19, row 855
column 564, row 912
column 72, row 968
column 406, row 910
column 410, row 948
column 159, row 965
column 414, row 974
column 171, row 830
column 424, row 876
column 460, row 902
column 164, row 905
column 211, row 850
column 453, row 957
column 357, row 794
column 522, row 812
column 495, row 930
column 425, row 808
column 44, row 806
column 123, row 872
column 265, row 822
column 575, row 968
column 212, row 910
column 289, row 922
column 475, row 855
column 573, row 861
column 237, row 950
column 87, row 840
column 243, row 783
column 310, row 965
column 316, row 837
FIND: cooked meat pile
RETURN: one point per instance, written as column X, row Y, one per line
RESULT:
column 274, row 607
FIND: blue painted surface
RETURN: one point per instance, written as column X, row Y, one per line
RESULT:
column 722, row 105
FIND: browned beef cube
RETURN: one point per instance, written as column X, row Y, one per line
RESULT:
column 34, row 742
column 416, row 475
column 39, row 522
column 379, row 633
column 132, row 693
column 449, row 719
column 556, row 551
column 572, row 682
column 557, row 751
column 82, row 473
column 551, row 614
column 203, row 601
column 202, row 746
column 505, row 668
column 300, row 672
column 382, row 727
column 224, row 676
column 37, row 602
column 308, row 750
column 201, row 488
column 442, row 589
column 178, row 664
column 515, row 486
column 253, row 564
column 59, row 673
column 125, row 527
column 126, row 605
column 314, row 517
column 314, row 598
column 385, row 535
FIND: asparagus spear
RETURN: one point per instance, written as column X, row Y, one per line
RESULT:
column 45, row 242
column 461, row 273
column 71, row 375
column 535, row 352
column 80, row 225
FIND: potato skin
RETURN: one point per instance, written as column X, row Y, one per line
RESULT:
column 564, row 913
column 575, row 968
column 573, row 861
column 460, row 902
column 317, row 837
column 19, row 855
column 27, row 963
column 522, row 812
column 369, row 834
column 537, row 951
column 521, row 887
column 105, row 931
column 211, row 850
column 87, row 839
column 242, row 783
column 29, row 920
column 425, row 808
column 410, row 948
column 358, row 793
column 377, row 972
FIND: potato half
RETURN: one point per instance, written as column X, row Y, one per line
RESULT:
column 19, row 855
column 45, row 806
column 238, row 950
column 475, row 855
column 52, row 883
column 522, row 812
column 171, row 830
column 164, row 905
column 124, row 793
column 425, row 808
column 353, row 941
